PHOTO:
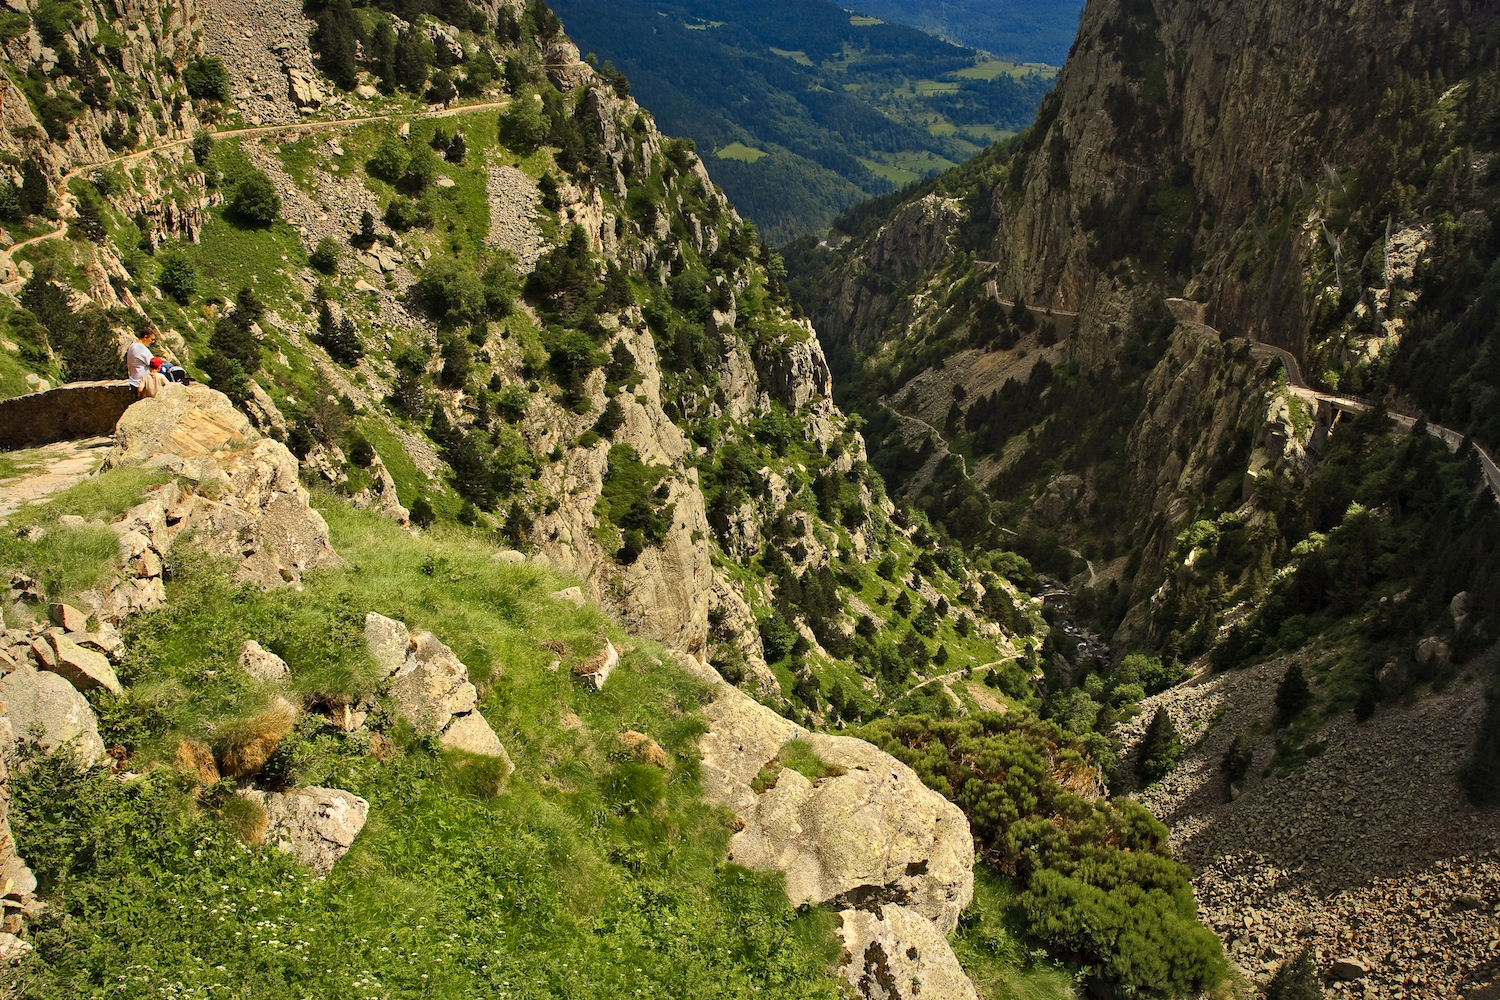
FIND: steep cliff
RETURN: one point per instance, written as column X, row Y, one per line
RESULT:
column 1206, row 345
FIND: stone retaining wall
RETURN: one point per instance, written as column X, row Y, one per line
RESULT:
column 75, row 410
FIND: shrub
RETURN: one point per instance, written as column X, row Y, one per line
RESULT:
column 1100, row 886
column 1292, row 694
column 177, row 277
column 255, row 199
column 207, row 78
column 422, row 514
column 325, row 256
column 202, row 147
column 421, row 169
column 634, row 499
column 452, row 291
column 1297, row 979
column 523, row 126
column 390, row 159
column 1159, row 748
column 611, row 420
column 403, row 214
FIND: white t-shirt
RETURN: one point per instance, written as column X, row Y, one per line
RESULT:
column 137, row 363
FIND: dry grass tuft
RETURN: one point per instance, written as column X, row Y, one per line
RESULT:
column 244, row 747
column 645, row 748
column 197, row 759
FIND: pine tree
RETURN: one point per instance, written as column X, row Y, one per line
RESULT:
column 35, row 193
column 336, row 40
column 1293, row 694
column 410, row 62
column 1159, row 748
column 1297, row 979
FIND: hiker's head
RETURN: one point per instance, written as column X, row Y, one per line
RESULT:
column 147, row 336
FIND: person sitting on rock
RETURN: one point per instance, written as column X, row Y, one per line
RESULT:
column 169, row 371
column 138, row 357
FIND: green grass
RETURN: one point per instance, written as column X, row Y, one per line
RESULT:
column 13, row 372
column 740, row 151
column 67, row 560
column 862, row 21
column 989, row 69
column 588, row 874
column 231, row 257
column 893, row 174
column 795, row 55
column 989, row 945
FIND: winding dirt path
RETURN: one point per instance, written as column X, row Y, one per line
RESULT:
column 10, row 278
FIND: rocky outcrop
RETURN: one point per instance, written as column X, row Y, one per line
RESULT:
column 431, row 687
column 43, row 702
column 867, row 839
column 318, row 825
column 240, row 497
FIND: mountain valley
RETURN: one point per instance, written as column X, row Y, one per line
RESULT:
column 1076, row 575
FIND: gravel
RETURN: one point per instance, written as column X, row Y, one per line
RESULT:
column 513, row 199
column 1369, row 854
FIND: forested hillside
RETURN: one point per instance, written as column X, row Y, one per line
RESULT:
column 804, row 111
column 1023, row 30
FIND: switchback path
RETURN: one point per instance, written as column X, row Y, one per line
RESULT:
column 10, row 279
column 1186, row 314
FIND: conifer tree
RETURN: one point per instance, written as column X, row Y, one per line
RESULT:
column 1160, row 748
column 1292, row 694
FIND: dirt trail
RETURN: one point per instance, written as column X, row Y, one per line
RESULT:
column 10, row 279
column 50, row 469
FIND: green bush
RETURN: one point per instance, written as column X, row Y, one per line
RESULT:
column 403, row 214
column 452, row 291
column 177, row 277
column 1101, row 888
column 207, row 78
column 634, row 499
column 390, row 159
column 325, row 256
column 202, row 147
column 523, row 126
column 13, row 25
column 255, row 199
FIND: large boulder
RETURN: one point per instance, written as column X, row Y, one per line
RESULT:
column 243, row 499
column 83, row 668
column 261, row 664
column 868, row 839
column 41, row 699
column 870, row 832
column 472, row 734
column 432, row 686
column 894, row 954
column 318, row 825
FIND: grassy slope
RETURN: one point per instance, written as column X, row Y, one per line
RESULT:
column 589, row 874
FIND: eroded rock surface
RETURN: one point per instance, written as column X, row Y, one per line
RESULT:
column 870, row 840
column 318, row 825
column 895, row 955
column 244, row 501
